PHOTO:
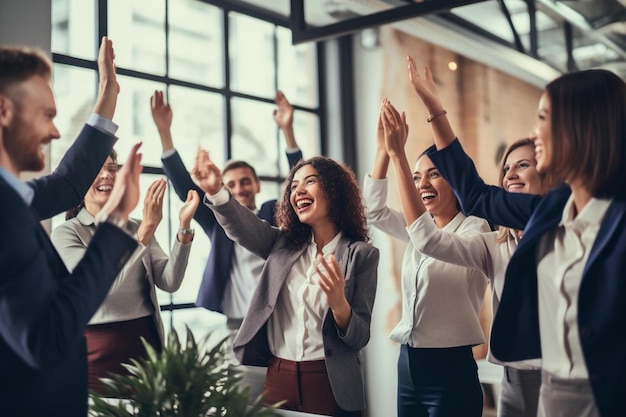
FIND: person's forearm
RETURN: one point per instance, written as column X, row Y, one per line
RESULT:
column 290, row 138
column 412, row 206
column 442, row 131
column 166, row 139
column 107, row 99
column 381, row 165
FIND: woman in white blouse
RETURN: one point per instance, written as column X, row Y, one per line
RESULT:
column 490, row 253
column 437, row 374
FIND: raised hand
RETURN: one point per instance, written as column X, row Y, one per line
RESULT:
column 424, row 87
column 283, row 115
column 332, row 282
column 125, row 194
column 162, row 115
column 161, row 111
column 152, row 211
column 395, row 129
column 188, row 209
column 206, row 174
column 108, row 87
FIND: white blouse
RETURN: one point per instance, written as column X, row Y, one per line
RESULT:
column 440, row 301
column 481, row 251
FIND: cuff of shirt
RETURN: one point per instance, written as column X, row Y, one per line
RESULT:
column 168, row 153
column 103, row 124
column 217, row 199
column 292, row 150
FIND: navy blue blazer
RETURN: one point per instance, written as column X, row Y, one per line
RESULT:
column 602, row 296
column 44, row 309
column 217, row 270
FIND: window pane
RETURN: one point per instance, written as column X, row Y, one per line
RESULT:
column 196, row 40
column 251, row 43
column 297, row 70
column 74, row 28
column 137, row 28
column 134, row 119
column 75, row 91
column 255, row 135
column 198, row 121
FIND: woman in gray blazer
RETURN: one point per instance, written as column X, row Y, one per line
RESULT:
column 310, row 315
column 131, row 309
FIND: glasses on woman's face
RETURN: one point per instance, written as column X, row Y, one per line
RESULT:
column 111, row 168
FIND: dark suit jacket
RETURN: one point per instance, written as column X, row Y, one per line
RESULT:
column 602, row 295
column 359, row 263
column 217, row 271
column 43, row 308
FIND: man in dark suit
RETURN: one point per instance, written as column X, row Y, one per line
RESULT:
column 231, row 273
column 43, row 308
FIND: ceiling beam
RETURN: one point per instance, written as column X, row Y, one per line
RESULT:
column 301, row 32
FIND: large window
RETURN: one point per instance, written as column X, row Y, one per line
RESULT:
column 220, row 70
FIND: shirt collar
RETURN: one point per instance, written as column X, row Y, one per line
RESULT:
column 455, row 222
column 85, row 218
column 592, row 214
column 328, row 249
column 23, row 189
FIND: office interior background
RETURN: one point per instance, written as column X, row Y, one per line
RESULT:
column 221, row 62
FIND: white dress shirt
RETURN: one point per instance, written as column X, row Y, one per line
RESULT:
column 440, row 301
column 480, row 251
column 295, row 327
column 562, row 255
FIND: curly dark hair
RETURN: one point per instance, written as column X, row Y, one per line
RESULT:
column 342, row 190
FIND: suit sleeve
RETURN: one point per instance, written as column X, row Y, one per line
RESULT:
column 293, row 158
column 365, row 276
column 43, row 308
column 168, row 272
column 182, row 182
column 477, row 198
column 244, row 227
column 67, row 185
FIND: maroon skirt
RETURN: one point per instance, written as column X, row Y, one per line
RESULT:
column 109, row 345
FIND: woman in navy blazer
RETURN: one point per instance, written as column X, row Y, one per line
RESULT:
column 310, row 315
column 563, row 298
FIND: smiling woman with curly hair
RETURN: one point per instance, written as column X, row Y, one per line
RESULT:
column 310, row 315
column 345, row 208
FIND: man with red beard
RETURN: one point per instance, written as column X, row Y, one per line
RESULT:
column 43, row 308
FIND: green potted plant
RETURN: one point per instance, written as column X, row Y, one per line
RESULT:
column 180, row 381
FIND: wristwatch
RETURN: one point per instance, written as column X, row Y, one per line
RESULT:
column 184, row 231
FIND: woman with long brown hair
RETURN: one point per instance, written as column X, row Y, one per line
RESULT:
column 310, row 316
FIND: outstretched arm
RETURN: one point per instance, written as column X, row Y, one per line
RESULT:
column 377, row 212
column 283, row 116
column 44, row 308
column 437, row 116
column 66, row 186
column 476, row 198
column 396, row 131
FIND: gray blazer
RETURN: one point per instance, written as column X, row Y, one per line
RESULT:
column 72, row 238
column 359, row 263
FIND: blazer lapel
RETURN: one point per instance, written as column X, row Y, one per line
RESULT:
column 612, row 219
